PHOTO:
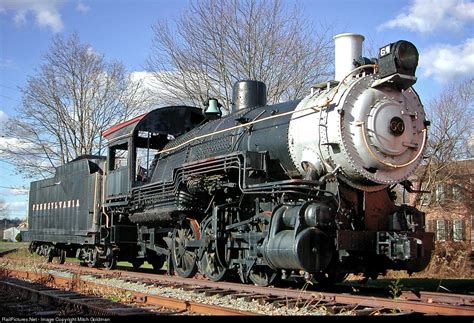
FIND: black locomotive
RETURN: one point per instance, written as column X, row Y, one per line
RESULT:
column 296, row 189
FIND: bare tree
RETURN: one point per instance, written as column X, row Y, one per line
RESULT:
column 67, row 104
column 3, row 208
column 215, row 43
column 450, row 135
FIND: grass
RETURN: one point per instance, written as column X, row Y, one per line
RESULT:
column 23, row 252
column 125, row 264
column 4, row 245
column 145, row 265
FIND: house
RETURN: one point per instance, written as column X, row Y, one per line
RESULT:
column 10, row 234
column 16, row 234
column 449, row 205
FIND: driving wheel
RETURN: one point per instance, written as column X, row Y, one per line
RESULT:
column 212, row 261
column 184, row 260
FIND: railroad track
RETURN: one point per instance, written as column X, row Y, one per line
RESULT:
column 22, row 298
column 333, row 303
column 12, row 304
column 6, row 252
column 38, row 287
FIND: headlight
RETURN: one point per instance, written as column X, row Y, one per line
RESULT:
column 399, row 59
column 406, row 56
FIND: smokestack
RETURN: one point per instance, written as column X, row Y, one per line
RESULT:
column 348, row 47
column 248, row 93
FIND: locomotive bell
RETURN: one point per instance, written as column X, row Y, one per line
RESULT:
column 212, row 109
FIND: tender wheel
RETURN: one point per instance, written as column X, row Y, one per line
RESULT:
column 110, row 261
column 48, row 251
column 110, row 264
column 93, row 261
column 32, row 247
column 61, row 258
column 262, row 275
column 184, row 260
column 50, row 255
column 212, row 259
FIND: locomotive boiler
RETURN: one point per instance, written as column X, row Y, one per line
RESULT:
column 305, row 188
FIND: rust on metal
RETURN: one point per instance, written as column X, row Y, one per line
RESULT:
column 430, row 297
column 180, row 305
column 407, row 306
column 423, row 302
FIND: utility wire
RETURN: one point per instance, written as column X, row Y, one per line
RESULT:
column 9, row 98
column 13, row 188
column 9, row 87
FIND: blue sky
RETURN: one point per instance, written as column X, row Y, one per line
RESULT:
column 121, row 30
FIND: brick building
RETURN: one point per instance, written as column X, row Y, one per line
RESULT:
column 449, row 206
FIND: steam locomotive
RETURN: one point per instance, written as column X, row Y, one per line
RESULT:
column 301, row 189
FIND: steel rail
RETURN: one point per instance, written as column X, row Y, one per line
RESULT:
column 6, row 252
column 435, row 302
column 49, row 296
column 409, row 302
column 431, row 297
column 148, row 299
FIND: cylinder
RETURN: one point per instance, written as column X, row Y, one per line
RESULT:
column 247, row 94
column 348, row 47
column 310, row 250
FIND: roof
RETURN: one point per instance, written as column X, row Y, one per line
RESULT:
column 173, row 120
column 12, row 229
column 121, row 125
column 458, row 168
column 23, row 225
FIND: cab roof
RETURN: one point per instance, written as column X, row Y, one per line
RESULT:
column 172, row 120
